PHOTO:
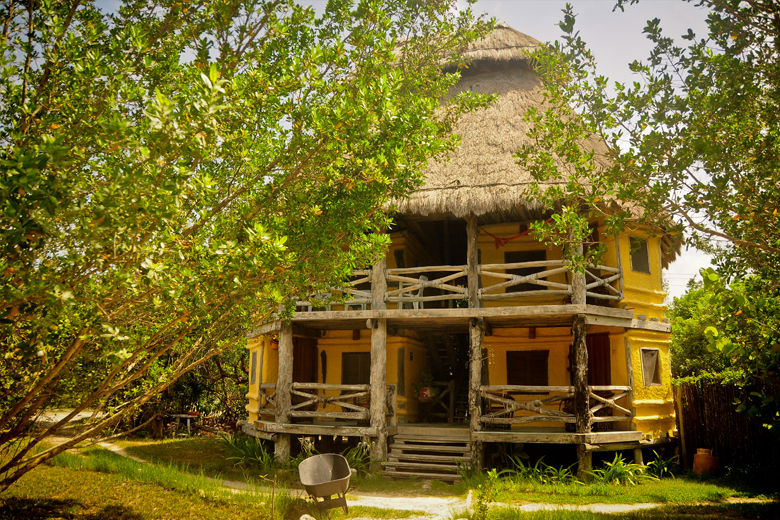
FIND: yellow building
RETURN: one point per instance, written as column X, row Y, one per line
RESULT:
column 471, row 333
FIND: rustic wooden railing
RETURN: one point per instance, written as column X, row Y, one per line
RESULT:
column 351, row 399
column 408, row 285
column 548, row 268
column 266, row 404
column 604, row 398
column 351, row 296
column 413, row 287
column 502, row 402
column 600, row 283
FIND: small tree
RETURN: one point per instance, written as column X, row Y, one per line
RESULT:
column 174, row 172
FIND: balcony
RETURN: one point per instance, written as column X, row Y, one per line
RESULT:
column 446, row 286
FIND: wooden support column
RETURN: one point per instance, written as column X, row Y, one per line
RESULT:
column 378, row 405
column 580, row 373
column 283, row 390
column 476, row 332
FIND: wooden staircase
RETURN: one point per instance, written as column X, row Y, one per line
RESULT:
column 428, row 452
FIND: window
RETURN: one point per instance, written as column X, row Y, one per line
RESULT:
column 355, row 368
column 253, row 368
column 511, row 257
column 527, row 367
column 640, row 258
column 651, row 367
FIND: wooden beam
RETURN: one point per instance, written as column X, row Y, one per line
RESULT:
column 476, row 333
column 630, row 380
column 287, row 429
column 378, row 402
column 283, row 389
column 306, row 332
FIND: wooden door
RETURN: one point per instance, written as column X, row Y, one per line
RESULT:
column 304, row 360
column 599, row 364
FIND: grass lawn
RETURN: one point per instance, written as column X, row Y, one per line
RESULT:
column 180, row 483
column 205, row 454
column 768, row 511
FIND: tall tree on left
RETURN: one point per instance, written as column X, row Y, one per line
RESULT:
column 173, row 171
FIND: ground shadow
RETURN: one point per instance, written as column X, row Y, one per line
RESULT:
column 16, row 508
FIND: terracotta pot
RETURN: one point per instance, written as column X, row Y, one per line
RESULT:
column 704, row 462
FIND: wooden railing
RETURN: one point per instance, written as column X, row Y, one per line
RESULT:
column 351, row 296
column 352, row 400
column 414, row 287
column 501, row 403
column 408, row 285
column 601, row 402
column 266, row 404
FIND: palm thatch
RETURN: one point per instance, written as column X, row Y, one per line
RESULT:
column 482, row 176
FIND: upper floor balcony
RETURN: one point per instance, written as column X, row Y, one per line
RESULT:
column 546, row 282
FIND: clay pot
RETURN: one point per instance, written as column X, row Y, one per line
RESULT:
column 704, row 462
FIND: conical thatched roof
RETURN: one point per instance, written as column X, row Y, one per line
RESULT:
column 502, row 45
column 482, row 176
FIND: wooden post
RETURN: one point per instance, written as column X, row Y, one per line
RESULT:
column 630, row 380
column 472, row 261
column 619, row 257
column 580, row 373
column 283, row 390
column 476, row 329
column 476, row 332
column 378, row 406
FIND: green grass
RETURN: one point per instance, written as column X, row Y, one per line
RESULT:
column 670, row 491
column 76, row 494
column 206, row 454
column 690, row 511
column 102, row 486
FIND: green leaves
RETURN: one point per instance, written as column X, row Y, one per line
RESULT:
column 172, row 174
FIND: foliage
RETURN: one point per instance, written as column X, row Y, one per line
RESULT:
column 619, row 471
column 693, row 145
column 171, row 173
column 358, row 457
column 690, row 315
column 540, row 472
column 248, row 451
column 661, row 467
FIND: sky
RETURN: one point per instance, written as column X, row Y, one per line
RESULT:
column 616, row 39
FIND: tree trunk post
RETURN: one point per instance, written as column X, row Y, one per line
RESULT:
column 580, row 372
column 476, row 332
column 283, row 390
column 378, row 410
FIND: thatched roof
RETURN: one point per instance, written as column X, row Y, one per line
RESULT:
column 502, row 45
column 481, row 176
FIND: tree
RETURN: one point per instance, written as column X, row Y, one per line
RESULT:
column 690, row 350
column 174, row 172
column 692, row 146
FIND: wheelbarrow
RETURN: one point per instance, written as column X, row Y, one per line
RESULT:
column 326, row 479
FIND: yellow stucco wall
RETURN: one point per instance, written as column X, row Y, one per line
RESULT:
column 654, row 403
